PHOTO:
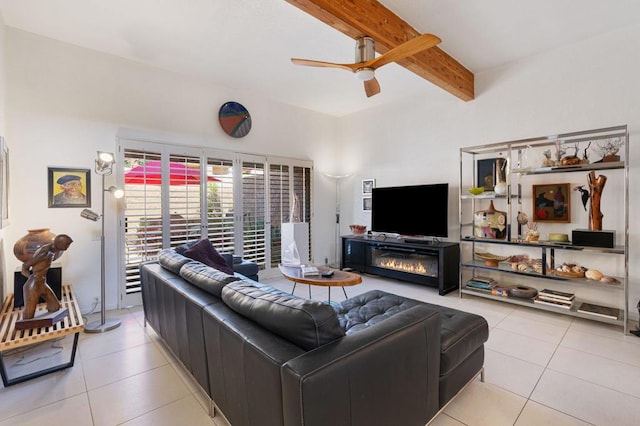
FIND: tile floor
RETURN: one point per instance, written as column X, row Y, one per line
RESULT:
column 541, row 368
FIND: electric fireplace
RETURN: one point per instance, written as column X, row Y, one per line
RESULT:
column 433, row 264
column 406, row 261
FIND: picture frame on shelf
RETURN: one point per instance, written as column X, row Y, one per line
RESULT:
column 486, row 173
column 552, row 202
column 69, row 187
column 367, row 204
column 367, row 186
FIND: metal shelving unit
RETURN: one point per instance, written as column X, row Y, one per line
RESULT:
column 523, row 168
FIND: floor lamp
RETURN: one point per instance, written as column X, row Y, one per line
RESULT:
column 338, row 178
column 104, row 166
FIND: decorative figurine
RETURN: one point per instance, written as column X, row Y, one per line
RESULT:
column 609, row 150
column 585, row 156
column 547, row 162
column 596, row 186
column 559, row 153
column 584, row 194
column 36, row 285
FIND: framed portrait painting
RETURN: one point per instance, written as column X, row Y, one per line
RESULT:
column 69, row 187
column 552, row 202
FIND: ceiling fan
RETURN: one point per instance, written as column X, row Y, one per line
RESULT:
column 366, row 63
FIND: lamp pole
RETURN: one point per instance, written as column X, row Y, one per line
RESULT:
column 104, row 324
column 338, row 178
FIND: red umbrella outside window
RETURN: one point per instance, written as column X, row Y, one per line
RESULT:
column 150, row 173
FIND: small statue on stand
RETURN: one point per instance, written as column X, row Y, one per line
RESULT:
column 596, row 186
column 36, row 285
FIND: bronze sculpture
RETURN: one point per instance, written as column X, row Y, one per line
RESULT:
column 36, row 285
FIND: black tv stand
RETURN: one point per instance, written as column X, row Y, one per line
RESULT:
column 426, row 262
column 419, row 241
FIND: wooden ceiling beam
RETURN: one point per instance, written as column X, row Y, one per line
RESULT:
column 358, row 18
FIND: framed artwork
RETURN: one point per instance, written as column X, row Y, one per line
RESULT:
column 367, row 186
column 552, row 202
column 486, row 173
column 366, row 204
column 69, row 187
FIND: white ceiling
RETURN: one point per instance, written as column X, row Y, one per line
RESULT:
column 247, row 44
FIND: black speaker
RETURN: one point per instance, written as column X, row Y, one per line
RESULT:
column 585, row 237
column 54, row 279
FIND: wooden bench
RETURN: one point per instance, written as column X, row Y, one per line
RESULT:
column 11, row 339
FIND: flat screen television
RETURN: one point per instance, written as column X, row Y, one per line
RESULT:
column 416, row 210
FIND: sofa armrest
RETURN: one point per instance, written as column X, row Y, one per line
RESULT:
column 385, row 374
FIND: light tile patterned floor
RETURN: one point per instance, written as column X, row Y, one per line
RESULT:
column 541, row 368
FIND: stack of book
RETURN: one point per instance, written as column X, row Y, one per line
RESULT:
column 309, row 270
column 559, row 299
column 600, row 311
column 481, row 283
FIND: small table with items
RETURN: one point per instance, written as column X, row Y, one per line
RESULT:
column 337, row 279
column 15, row 344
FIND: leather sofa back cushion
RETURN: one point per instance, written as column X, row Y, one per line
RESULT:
column 205, row 277
column 203, row 251
column 306, row 323
column 172, row 261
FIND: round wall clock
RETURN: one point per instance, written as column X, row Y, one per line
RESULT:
column 234, row 119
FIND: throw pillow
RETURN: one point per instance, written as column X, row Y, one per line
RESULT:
column 184, row 247
column 203, row 251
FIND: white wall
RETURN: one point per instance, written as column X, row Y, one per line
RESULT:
column 66, row 102
column 588, row 85
column 4, row 275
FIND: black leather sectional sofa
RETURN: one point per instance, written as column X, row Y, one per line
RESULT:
column 266, row 357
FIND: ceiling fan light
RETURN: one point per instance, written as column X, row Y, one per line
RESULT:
column 365, row 74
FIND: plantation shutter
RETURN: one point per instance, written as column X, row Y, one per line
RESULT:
column 279, row 207
column 253, row 212
column 184, row 200
column 143, row 219
column 220, row 205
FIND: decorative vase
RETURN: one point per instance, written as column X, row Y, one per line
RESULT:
column 501, row 176
column 500, row 188
column 490, row 223
column 28, row 244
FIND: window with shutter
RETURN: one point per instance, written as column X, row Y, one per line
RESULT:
column 237, row 201
column 143, row 213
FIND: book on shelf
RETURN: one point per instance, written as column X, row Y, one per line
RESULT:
column 562, row 295
column 553, row 299
column 598, row 310
column 309, row 270
column 482, row 283
column 481, row 279
column 556, row 303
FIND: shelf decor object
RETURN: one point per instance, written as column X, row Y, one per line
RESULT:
column 490, row 223
column 493, row 224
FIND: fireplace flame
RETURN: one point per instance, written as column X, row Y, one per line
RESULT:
column 398, row 265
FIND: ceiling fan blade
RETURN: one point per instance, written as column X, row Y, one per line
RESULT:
column 311, row 63
column 371, row 87
column 406, row 49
